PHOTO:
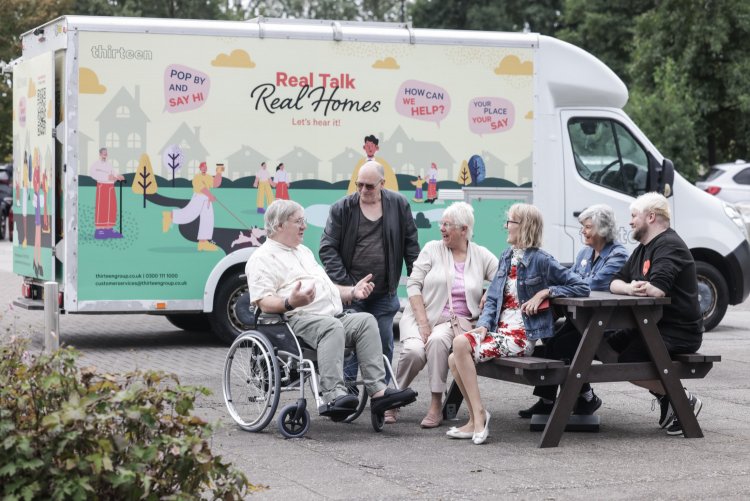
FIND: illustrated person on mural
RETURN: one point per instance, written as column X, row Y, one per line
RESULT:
column 105, row 210
column 200, row 206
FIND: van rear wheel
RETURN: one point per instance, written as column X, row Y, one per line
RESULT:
column 713, row 294
column 233, row 313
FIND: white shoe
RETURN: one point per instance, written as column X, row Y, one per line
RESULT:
column 479, row 438
column 456, row 433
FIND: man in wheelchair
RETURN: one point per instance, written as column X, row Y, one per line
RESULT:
column 284, row 277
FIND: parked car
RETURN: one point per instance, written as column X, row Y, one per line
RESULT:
column 6, row 200
column 729, row 182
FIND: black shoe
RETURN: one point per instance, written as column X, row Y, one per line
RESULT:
column 587, row 408
column 392, row 399
column 538, row 408
column 676, row 428
column 340, row 407
column 666, row 412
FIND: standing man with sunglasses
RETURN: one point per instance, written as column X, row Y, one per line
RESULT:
column 371, row 231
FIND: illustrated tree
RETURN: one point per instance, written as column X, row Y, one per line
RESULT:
column 476, row 169
column 464, row 176
column 173, row 158
column 144, row 181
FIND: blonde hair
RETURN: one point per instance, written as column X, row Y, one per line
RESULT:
column 531, row 225
column 652, row 202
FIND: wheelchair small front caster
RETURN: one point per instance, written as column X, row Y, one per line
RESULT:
column 294, row 420
column 378, row 420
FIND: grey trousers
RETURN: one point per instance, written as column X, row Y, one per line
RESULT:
column 329, row 336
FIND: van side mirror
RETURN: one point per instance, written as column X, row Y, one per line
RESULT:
column 661, row 176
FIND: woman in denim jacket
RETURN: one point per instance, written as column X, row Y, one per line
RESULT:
column 512, row 319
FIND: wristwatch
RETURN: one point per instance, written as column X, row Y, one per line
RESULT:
column 287, row 305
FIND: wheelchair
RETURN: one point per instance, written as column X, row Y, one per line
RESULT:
column 270, row 359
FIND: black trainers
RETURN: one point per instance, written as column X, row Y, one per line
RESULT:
column 676, row 428
column 666, row 412
column 392, row 399
column 538, row 408
column 587, row 408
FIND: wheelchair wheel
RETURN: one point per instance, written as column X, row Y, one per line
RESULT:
column 251, row 383
column 292, row 423
column 378, row 421
column 355, row 387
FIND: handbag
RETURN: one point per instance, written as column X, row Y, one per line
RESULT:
column 459, row 325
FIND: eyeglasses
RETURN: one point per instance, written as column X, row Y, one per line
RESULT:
column 508, row 221
column 445, row 224
column 369, row 186
column 299, row 222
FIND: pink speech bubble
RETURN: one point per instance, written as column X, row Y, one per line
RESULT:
column 423, row 101
column 184, row 88
column 489, row 115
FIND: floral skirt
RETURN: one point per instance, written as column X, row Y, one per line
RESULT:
column 505, row 343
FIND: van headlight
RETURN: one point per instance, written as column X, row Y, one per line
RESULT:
column 733, row 214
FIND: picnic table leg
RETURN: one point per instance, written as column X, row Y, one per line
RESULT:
column 452, row 402
column 577, row 375
column 647, row 318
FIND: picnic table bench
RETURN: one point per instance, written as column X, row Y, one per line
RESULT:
column 592, row 316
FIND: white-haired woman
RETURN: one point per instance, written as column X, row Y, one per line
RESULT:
column 448, row 272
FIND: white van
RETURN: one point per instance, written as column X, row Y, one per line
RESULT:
column 119, row 124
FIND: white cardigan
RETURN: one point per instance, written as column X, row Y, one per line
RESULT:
column 434, row 270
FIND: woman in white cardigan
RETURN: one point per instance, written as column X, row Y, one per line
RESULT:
column 453, row 264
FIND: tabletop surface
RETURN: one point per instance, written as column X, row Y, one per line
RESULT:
column 608, row 299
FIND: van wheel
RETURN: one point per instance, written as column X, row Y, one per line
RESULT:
column 713, row 294
column 194, row 322
column 233, row 313
column 3, row 225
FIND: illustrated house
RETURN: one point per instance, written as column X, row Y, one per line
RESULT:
column 300, row 163
column 245, row 162
column 122, row 130
column 495, row 167
column 189, row 141
column 343, row 164
column 407, row 156
column 524, row 171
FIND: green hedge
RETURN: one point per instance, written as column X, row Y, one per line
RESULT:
column 69, row 433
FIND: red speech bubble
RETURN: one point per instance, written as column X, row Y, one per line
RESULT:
column 184, row 88
column 423, row 101
column 489, row 115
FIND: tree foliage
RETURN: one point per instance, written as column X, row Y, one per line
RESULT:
column 511, row 15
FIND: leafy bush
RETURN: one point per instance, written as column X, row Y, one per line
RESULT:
column 70, row 433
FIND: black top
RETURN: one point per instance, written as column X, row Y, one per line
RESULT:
column 369, row 256
column 666, row 262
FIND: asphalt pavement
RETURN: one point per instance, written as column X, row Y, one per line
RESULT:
column 630, row 458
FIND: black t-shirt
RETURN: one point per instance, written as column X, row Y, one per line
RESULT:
column 369, row 255
column 666, row 262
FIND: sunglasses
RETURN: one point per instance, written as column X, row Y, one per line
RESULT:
column 369, row 186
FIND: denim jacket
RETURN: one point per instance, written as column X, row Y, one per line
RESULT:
column 537, row 270
column 611, row 259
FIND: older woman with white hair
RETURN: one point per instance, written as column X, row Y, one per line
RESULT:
column 448, row 275
column 596, row 264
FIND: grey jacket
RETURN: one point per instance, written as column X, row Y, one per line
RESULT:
column 339, row 238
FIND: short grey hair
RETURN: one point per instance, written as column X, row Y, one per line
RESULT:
column 461, row 214
column 278, row 212
column 603, row 218
column 652, row 202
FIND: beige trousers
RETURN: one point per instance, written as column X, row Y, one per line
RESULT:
column 415, row 354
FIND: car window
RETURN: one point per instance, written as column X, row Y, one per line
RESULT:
column 712, row 174
column 607, row 154
column 742, row 177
